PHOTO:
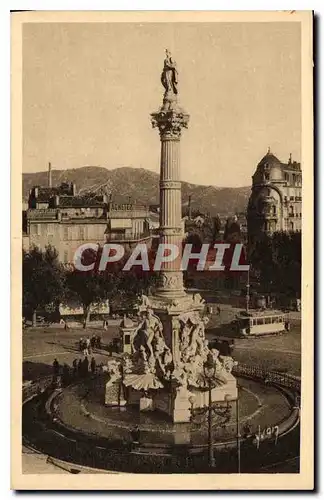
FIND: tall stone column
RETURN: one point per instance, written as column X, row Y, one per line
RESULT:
column 170, row 120
column 169, row 345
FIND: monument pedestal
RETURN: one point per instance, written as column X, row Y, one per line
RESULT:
column 181, row 405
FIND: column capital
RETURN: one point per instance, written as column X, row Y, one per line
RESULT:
column 170, row 122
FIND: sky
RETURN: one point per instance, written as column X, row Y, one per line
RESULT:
column 89, row 89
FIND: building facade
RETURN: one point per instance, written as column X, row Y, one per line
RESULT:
column 59, row 217
column 275, row 203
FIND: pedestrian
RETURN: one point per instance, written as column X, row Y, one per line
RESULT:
column 56, row 367
column 75, row 367
column 85, row 366
column 93, row 341
column 98, row 341
column 218, row 311
column 93, row 366
column 86, row 344
column 287, row 326
column 135, row 435
column 81, row 342
column 79, row 367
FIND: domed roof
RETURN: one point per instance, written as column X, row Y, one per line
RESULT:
column 271, row 167
column 269, row 160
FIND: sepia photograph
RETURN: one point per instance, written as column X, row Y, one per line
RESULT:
column 162, row 201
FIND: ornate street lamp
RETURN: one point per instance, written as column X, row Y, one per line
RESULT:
column 209, row 372
column 213, row 409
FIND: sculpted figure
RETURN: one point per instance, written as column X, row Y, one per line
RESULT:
column 169, row 77
column 143, row 362
column 197, row 344
column 227, row 362
column 146, row 331
column 161, row 351
column 113, row 368
column 127, row 364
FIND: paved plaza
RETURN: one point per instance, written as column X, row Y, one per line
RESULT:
column 42, row 345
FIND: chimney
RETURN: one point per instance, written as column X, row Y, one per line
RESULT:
column 189, row 207
column 49, row 175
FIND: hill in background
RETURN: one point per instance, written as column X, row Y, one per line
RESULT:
column 142, row 186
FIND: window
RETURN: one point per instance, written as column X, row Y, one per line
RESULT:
column 274, row 210
column 34, row 229
column 65, row 233
column 266, row 176
column 127, row 339
column 81, row 233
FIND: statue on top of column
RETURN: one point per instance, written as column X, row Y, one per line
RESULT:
column 169, row 77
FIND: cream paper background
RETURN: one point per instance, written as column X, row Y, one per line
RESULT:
column 303, row 480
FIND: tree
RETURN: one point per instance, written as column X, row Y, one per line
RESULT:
column 90, row 287
column 217, row 226
column 135, row 282
column 43, row 280
column 277, row 261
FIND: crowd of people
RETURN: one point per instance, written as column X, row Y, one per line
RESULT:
column 87, row 345
column 80, row 368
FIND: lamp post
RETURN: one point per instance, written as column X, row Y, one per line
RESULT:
column 213, row 409
column 209, row 372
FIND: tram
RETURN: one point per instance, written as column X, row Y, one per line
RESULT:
column 264, row 323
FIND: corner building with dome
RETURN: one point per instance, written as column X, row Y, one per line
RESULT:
column 275, row 203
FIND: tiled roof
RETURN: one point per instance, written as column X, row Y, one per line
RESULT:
column 81, row 201
column 46, row 193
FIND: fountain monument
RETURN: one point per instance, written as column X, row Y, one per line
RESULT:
column 165, row 370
